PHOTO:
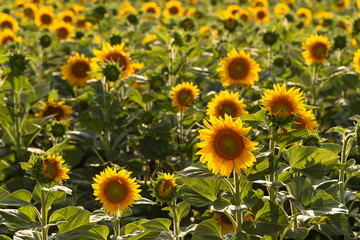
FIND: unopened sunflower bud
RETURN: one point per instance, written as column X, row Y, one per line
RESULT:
column 164, row 188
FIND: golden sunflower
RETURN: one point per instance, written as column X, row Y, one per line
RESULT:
column 77, row 68
column 116, row 190
column 226, row 103
column 341, row 4
column 75, row 8
column 261, row 14
column 63, row 30
column 205, row 32
column 173, row 8
column 127, row 8
column 283, row 103
column 115, row 53
column 345, row 24
column 67, row 16
column 45, row 16
column 59, row 109
column 259, row 3
column 8, row 36
column 7, row 21
column 183, row 95
column 225, row 147
column 224, row 222
column 321, row 14
column 356, row 61
column 316, row 49
column 19, row 3
column 233, row 9
column 164, row 188
column 244, row 15
column 305, row 15
column 52, row 168
column 281, row 9
column 81, row 23
column 30, row 10
column 135, row 67
column 238, row 69
column 306, row 120
column 148, row 39
column 151, row 8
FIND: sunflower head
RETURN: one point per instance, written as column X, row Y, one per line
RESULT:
column 67, row 16
column 305, row 15
column 281, row 9
column 270, row 38
column 356, row 60
column 151, row 8
column 244, row 15
column 224, row 222
column 226, row 103
column 45, row 41
column 18, row 63
column 183, row 95
column 63, row 30
column 164, row 188
column 59, row 109
column 8, row 22
column 45, row 17
column 58, row 128
column 238, row 68
column 115, row 190
column 173, row 8
column 340, row 42
column 316, row 49
column 187, row 23
column 47, row 168
column 205, row 32
column 225, row 147
column 261, row 15
column 281, row 104
column 306, row 119
column 8, row 36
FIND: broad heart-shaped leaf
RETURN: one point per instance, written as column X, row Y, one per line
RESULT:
column 284, row 139
column 18, row 219
column 135, row 230
column 52, row 197
column 75, row 217
column 207, row 230
column 198, row 170
column 206, row 188
column 301, row 189
column 334, row 225
column 269, row 219
column 297, row 233
column 254, row 119
column 192, row 197
column 16, row 83
column 157, row 224
column 20, row 197
column 313, row 162
column 100, row 215
column 26, row 235
column 87, row 231
column 182, row 209
column 324, row 204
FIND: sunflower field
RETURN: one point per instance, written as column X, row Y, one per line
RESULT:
column 179, row 119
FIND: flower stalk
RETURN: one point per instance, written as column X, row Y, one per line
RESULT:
column 237, row 190
column 44, row 213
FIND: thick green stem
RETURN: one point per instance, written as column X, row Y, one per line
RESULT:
column 43, row 214
column 181, row 140
column 175, row 220
column 314, row 78
column 344, row 154
column 117, row 227
column 237, row 184
column 272, row 176
column 107, row 145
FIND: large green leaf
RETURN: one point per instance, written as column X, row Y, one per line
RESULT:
column 75, row 217
column 284, row 139
column 207, row 188
column 157, row 224
column 20, row 197
column 87, row 231
column 323, row 204
column 313, row 162
column 17, row 219
column 198, row 170
column 26, row 235
column 301, row 189
column 207, row 230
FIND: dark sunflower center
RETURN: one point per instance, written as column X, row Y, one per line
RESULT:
column 80, row 69
column 234, row 11
column 319, row 50
column 45, row 19
column 261, row 15
column 173, row 10
column 51, row 169
column 282, row 106
column 117, row 57
column 227, row 107
column 244, row 17
column 81, row 23
column 165, row 188
column 239, row 68
column 115, row 191
column 7, row 39
column 62, row 32
column 185, row 97
column 302, row 15
column 230, row 23
column 225, row 219
column 67, row 19
column 58, row 111
column 150, row 10
column 6, row 24
column 29, row 13
column 228, row 144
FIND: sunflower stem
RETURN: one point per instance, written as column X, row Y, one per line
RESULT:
column 117, row 227
column 106, row 138
column 181, row 140
column 344, row 154
column 43, row 214
column 237, row 185
column 272, row 176
column 314, row 76
column 175, row 220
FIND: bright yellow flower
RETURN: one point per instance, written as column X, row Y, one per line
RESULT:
column 63, row 30
column 67, row 16
column 244, row 15
column 7, row 21
column 151, row 8
column 52, row 168
column 45, row 17
column 7, row 36
column 81, row 23
column 356, row 61
column 306, row 120
column 148, row 39
column 183, row 95
column 281, row 9
column 60, row 110
column 173, row 8
column 341, row 4
column 305, row 15
column 316, row 49
column 261, row 15
column 205, row 32
column 127, row 8
column 259, row 3
column 225, row 146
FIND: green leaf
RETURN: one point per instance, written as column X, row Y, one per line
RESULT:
column 58, row 189
column 208, row 230
column 193, row 197
column 301, row 189
column 221, row 204
column 251, row 197
column 88, row 231
column 57, row 148
column 75, row 217
column 334, row 225
column 323, row 204
column 17, row 219
column 198, row 170
column 254, row 119
column 313, row 162
column 297, row 233
column 137, row 97
column 4, row 237
column 207, row 188
column 183, row 209
column 28, row 211
column 17, row 83
column 157, row 224
column 26, row 235
column 53, row 95
column 100, row 215
column 285, row 139
column 18, row 198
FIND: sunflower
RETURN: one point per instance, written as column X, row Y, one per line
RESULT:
column 115, row 53
column 173, row 8
column 244, row 15
column 127, row 8
column 261, row 14
column 59, row 109
column 148, row 39
column 52, row 168
column 356, row 61
column 224, row 222
column 151, row 8
column 7, row 21
column 63, row 30
column 282, row 103
column 345, row 25
column 205, row 32
column 75, row 8
column 183, row 95
column 19, row 3
column 77, row 69
column 238, row 69
column 225, row 147
column 8, row 36
column 67, row 16
column 226, row 103
column 81, row 23
column 341, row 4
column 305, row 15
column 233, row 9
column 321, row 14
column 316, row 49
column 30, row 10
column 259, row 3
column 164, row 188
column 116, row 190
column 135, row 67
column 45, row 16
column 281, row 9
column 306, row 120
